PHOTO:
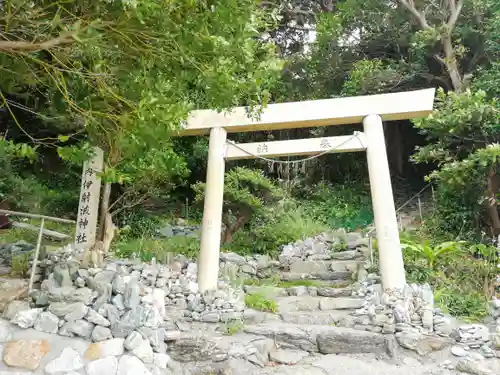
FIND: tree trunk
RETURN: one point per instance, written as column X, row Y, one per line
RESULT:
column 104, row 210
column 491, row 202
column 450, row 61
column 396, row 151
column 231, row 229
column 109, row 233
column 227, row 236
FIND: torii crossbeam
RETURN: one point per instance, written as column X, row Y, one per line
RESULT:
column 369, row 110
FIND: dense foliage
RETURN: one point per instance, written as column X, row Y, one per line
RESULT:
column 246, row 193
column 123, row 75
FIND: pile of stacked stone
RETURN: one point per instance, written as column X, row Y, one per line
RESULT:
column 237, row 267
column 333, row 245
column 48, row 260
column 495, row 309
column 389, row 312
column 122, row 297
column 495, row 312
column 179, row 230
column 472, row 336
column 418, row 325
column 308, row 258
column 17, row 249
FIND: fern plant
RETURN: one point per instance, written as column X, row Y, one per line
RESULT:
column 430, row 253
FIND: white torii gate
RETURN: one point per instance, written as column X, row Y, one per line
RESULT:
column 370, row 110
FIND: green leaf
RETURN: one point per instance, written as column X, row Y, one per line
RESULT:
column 62, row 138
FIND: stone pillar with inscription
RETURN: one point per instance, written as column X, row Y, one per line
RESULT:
column 88, row 209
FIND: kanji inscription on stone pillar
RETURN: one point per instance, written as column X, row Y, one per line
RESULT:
column 88, row 208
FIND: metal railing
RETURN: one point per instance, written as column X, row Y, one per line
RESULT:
column 40, row 235
column 406, row 203
column 416, row 196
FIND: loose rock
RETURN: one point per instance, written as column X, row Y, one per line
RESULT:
column 474, row 367
column 130, row 365
column 69, row 360
column 25, row 353
column 103, row 366
column 47, row 322
column 98, row 350
column 26, row 318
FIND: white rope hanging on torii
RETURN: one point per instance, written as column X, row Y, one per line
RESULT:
column 277, row 161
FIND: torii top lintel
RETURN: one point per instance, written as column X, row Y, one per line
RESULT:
column 311, row 113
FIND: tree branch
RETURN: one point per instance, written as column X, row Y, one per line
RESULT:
column 431, row 77
column 29, row 47
column 420, row 17
column 130, row 205
column 455, row 9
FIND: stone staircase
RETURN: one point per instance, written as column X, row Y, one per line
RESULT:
column 316, row 312
column 330, row 268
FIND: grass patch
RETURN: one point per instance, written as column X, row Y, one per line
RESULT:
column 232, row 327
column 276, row 282
column 145, row 248
column 20, row 265
column 8, row 236
column 339, row 205
column 260, row 302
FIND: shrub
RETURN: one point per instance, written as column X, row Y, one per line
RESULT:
column 472, row 306
column 431, row 254
column 338, row 206
column 246, row 193
column 276, row 226
column 137, row 223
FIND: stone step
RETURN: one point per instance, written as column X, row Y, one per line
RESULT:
column 267, row 291
column 322, row 291
column 310, row 303
column 323, row 266
column 334, row 317
column 346, row 265
column 325, row 339
column 348, row 255
column 324, row 276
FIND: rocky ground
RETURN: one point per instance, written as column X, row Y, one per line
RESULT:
column 326, row 314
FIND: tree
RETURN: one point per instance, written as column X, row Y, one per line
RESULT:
column 368, row 47
column 123, row 75
column 246, row 193
column 464, row 141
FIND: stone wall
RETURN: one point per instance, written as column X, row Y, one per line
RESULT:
column 334, row 255
column 126, row 298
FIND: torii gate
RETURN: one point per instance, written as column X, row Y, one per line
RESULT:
column 370, row 110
